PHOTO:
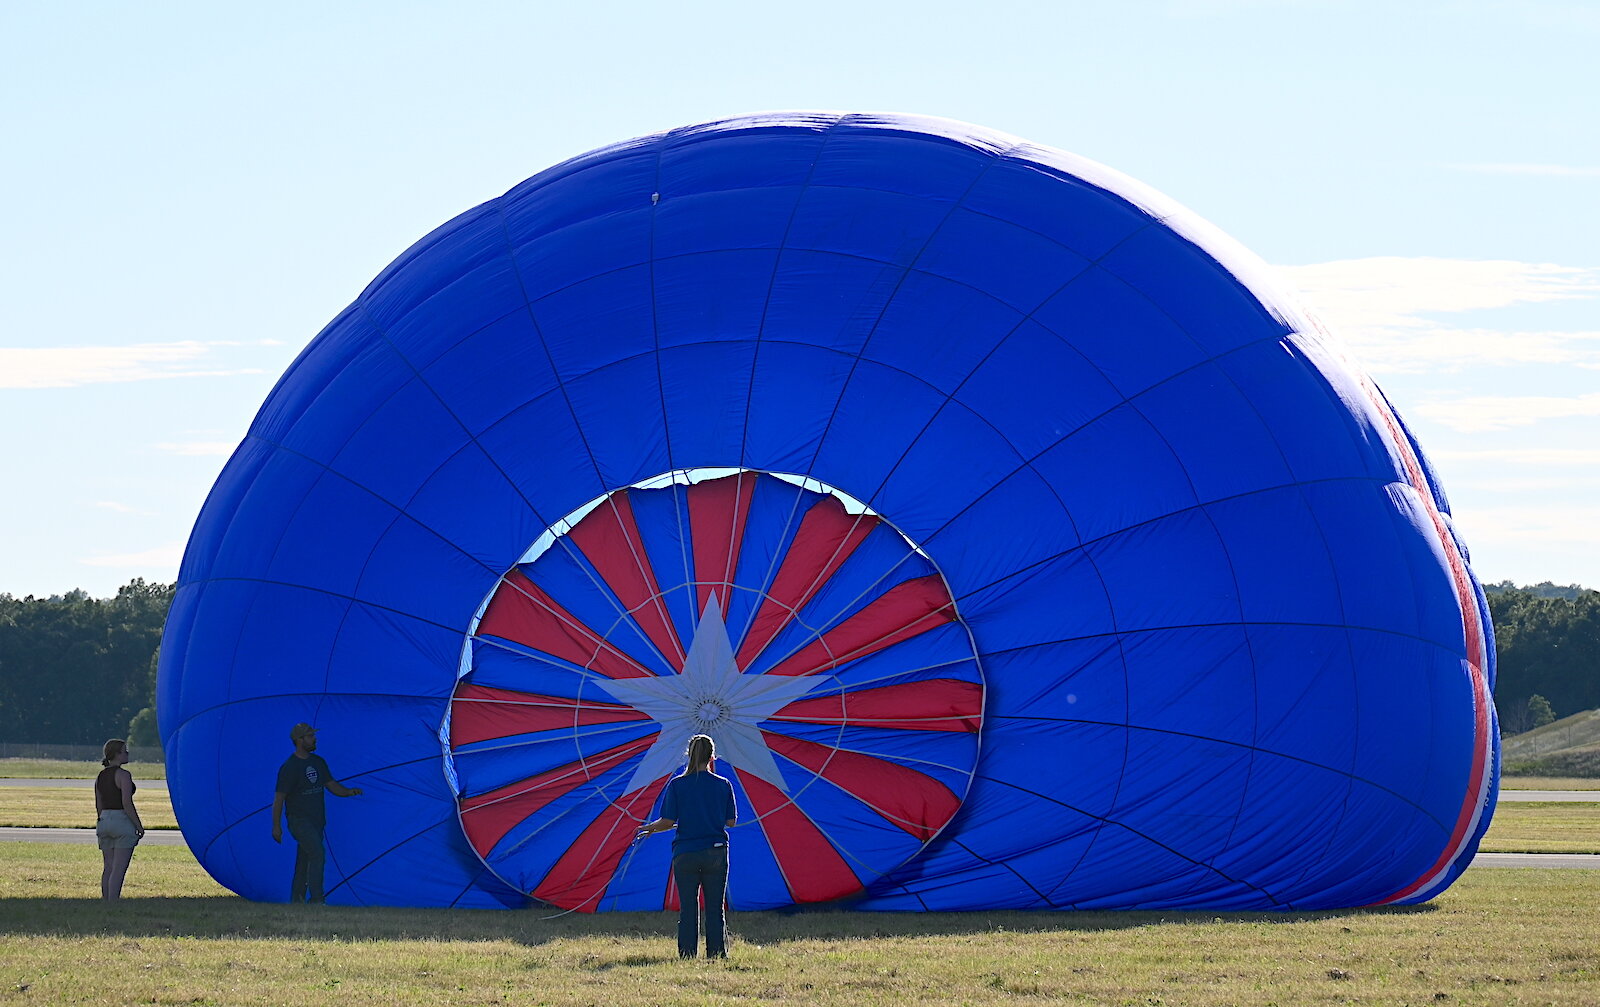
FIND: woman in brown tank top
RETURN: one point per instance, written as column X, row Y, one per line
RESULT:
column 117, row 823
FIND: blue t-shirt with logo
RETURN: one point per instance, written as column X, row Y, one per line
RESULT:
column 702, row 805
column 301, row 781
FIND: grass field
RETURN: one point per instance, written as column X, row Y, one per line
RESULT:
column 1497, row 937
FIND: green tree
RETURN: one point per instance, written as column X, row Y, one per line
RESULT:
column 1539, row 711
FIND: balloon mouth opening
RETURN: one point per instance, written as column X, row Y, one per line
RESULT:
column 763, row 609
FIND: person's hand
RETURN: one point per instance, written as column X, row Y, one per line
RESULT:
column 641, row 832
column 355, row 792
column 277, row 832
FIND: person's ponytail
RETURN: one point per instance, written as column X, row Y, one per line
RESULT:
column 701, row 751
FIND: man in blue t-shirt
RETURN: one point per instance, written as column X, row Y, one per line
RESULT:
column 298, row 796
column 699, row 804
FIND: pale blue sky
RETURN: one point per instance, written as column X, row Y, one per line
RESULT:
column 191, row 190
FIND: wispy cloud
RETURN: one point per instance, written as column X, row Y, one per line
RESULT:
column 1384, row 307
column 1546, row 170
column 198, row 448
column 71, row 366
column 121, row 508
column 1524, row 456
column 1483, row 413
column 1555, row 525
column 165, row 557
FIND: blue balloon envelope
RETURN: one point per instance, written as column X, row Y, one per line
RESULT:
column 1021, row 545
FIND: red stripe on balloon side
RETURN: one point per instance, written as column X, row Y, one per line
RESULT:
column 717, row 512
column 523, row 613
column 479, row 713
column 827, row 536
column 913, row 801
column 811, row 866
column 908, row 609
column 937, row 704
column 582, row 873
column 609, row 537
column 486, row 818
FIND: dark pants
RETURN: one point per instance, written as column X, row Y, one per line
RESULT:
column 702, row 872
column 308, row 860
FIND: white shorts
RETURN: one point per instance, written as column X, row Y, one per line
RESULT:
column 115, row 831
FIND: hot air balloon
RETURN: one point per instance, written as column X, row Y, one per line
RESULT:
column 1021, row 544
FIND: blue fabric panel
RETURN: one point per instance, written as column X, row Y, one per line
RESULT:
column 480, row 396
column 706, row 387
column 1115, row 473
column 286, row 639
column 361, row 387
column 1198, row 586
column 854, row 292
column 1311, row 429
column 618, row 303
column 745, row 218
column 625, row 432
column 401, row 444
column 1188, row 285
column 330, row 535
column 919, row 490
column 684, row 315
column 469, row 281
column 1014, row 264
column 1022, row 497
column 1002, row 616
column 1019, row 390
column 420, row 657
column 939, row 330
column 1280, row 560
column 871, row 158
column 500, row 668
column 786, row 386
column 1064, row 681
column 1082, row 217
column 885, row 227
column 1233, row 453
column 602, row 188
column 340, row 342
column 414, row 572
column 221, row 506
column 1211, row 697
column 894, row 406
column 540, row 447
column 1125, row 337
column 663, row 523
column 491, row 534
column 245, row 547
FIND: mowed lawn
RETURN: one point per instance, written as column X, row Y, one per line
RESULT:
column 1496, row 937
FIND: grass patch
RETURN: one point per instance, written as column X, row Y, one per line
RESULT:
column 73, row 807
column 1549, row 783
column 1544, row 827
column 1496, row 937
column 66, row 769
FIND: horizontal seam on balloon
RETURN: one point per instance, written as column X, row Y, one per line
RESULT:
column 1131, row 830
column 1347, row 774
column 1224, row 625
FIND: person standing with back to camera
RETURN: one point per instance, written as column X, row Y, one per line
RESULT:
column 117, row 824
column 298, row 796
column 699, row 804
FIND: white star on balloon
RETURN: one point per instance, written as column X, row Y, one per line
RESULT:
column 710, row 696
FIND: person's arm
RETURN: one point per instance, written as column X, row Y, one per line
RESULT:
column 340, row 790
column 659, row 825
column 277, row 816
column 125, row 784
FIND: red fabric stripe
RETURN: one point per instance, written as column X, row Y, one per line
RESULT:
column 522, row 612
column 939, row 704
column 486, row 818
column 813, row 869
column 610, row 539
column 478, row 713
column 915, row 802
column 717, row 511
column 908, row 609
column 584, row 871
column 1473, row 638
column 826, row 538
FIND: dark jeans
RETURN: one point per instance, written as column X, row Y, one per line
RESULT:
column 697, row 872
column 308, row 860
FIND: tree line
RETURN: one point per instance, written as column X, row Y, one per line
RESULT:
column 76, row 670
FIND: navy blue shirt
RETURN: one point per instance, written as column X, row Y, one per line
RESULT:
column 702, row 805
column 301, row 782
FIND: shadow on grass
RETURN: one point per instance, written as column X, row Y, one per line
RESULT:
column 233, row 918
